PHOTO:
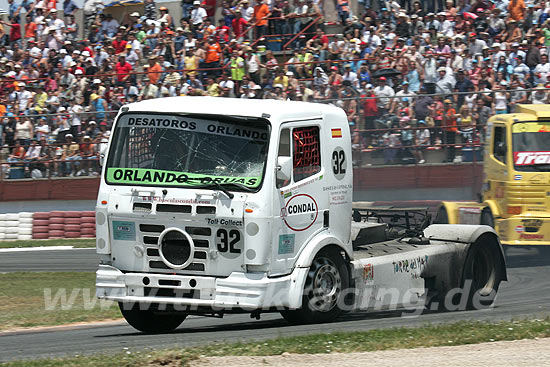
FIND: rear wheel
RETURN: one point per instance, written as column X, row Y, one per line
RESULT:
column 483, row 272
column 149, row 321
column 324, row 291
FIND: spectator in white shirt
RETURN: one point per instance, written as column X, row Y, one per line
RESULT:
column 383, row 92
column 198, row 13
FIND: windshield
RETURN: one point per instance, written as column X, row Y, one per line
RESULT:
column 531, row 143
column 184, row 151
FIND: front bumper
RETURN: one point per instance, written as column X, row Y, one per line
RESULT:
column 249, row 291
column 524, row 231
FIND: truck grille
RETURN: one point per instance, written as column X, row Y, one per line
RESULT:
column 526, row 195
column 201, row 238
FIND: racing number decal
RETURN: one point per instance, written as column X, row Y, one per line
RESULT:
column 227, row 241
column 339, row 163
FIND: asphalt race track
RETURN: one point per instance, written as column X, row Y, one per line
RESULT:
column 526, row 294
column 78, row 259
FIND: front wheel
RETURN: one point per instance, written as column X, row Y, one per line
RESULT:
column 324, row 291
column 148, row 321
column 487, row 218
column 441, row 217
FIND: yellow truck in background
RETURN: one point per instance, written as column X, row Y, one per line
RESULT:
column 515, row 197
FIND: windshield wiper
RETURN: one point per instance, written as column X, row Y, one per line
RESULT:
column 222, row 186
column 239, row 185
column 222, row 189
column 213, row 183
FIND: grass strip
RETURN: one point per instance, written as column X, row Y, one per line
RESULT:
column 50, row 298
column 460, row 333
column 75, row 242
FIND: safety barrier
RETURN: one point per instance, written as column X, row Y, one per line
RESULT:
column 16, row 226
column 47, row 225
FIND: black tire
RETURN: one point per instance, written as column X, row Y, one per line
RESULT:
column 148, row 321
column 441, row 216
column 487, row 218
column 324, row 291
column 483, row 272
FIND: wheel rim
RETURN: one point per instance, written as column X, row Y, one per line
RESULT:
column 326, row 285
column 483, row 273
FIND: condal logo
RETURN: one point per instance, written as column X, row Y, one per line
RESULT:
column 527, row 158
column 301, row 212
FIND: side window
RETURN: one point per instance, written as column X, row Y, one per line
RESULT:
column 307, row 152
column 284, row 151
column 499, row 143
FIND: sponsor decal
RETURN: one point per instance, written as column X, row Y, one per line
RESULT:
column 160, row 199
column 536, row 209
column 530, row 236
column 337, row 187
column 300, row 204
column 336, row 133
column 224, row 222
column 368, row 272
column 172, row 178
column 410, row 265
column 290, row 191
column 124, row 231
column 530, row 158
column 198, row 125
column 533, row 223
column 519, row 229
column 517, row 177
column 286, row 244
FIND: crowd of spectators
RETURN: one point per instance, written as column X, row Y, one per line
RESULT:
column 409, row 74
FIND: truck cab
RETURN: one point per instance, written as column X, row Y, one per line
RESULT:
column 201, row 199
column 210, row 206
column 516, row 179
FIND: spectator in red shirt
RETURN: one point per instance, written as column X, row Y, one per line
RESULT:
column 119, row 44
column 370, row 112
column 122, row 69
column 322, row 37
column 239, row 25
column 222, row 32
column 210, row 7
column 15, row 30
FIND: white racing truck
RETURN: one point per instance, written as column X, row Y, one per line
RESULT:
column 209, row 206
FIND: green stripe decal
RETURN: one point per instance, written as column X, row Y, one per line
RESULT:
column 155, row 177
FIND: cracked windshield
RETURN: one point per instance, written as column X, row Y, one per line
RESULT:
column 172, row 150
column 531, row 142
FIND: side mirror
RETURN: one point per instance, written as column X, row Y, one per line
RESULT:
column 102, row 153
column 284, row 168
column 500, row 149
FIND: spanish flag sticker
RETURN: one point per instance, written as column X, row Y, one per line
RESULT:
column 336, row 133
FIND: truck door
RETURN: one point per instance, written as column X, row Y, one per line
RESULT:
column 299, row 200
column 496, row 166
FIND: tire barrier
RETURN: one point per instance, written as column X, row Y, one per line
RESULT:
column 47, row 225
